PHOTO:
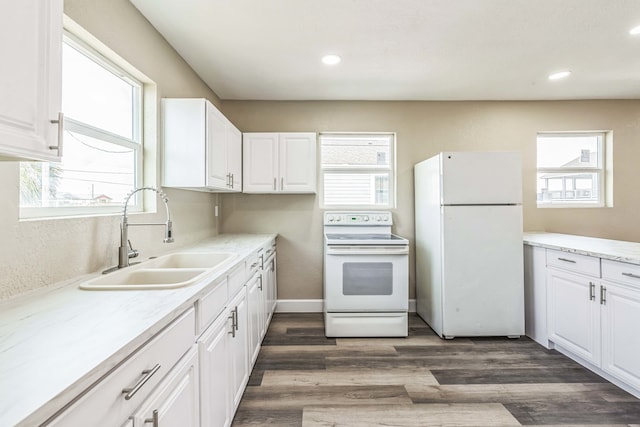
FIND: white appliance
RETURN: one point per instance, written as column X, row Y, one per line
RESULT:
column 469, row 260
column 366, row 276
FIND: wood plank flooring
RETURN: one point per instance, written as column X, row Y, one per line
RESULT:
column 302, row 378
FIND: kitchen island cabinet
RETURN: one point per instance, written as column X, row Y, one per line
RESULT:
column 31, row 85
column 592, row 305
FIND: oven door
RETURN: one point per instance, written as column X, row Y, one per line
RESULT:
column 366, row 278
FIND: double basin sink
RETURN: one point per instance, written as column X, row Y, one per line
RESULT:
column 167, row 272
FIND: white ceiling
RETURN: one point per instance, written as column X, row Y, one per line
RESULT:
column 406, row 49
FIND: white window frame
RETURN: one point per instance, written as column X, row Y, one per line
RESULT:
column 602, row 170
column 84, row 42
column 391, row 169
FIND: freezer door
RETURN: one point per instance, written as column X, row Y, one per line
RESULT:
column 481, row 178
column 483, row 285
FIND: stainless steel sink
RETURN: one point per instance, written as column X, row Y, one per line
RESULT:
column 168, row 272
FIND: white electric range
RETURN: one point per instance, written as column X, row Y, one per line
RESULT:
column 366, row 276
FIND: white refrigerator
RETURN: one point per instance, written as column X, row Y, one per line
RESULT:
column 469, row 260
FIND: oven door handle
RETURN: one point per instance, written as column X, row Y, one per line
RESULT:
column 364, row 250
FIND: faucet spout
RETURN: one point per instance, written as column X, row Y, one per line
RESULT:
column 126, row 251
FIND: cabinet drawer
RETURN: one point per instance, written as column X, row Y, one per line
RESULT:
column 106, row 404
column 235, row 279
column 212, row 304
column 253, row 263
column 582, row 264
column 621, row 272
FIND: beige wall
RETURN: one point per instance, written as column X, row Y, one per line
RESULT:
column 34, row 254
column 423, row 129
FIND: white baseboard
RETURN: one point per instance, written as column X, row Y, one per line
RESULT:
column 314, row 306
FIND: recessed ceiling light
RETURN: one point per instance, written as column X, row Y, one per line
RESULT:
column 559, row 75
column 331, row 59
column 635, row 31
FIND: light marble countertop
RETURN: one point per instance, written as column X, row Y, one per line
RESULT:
column 56, row 342
column 616, row 250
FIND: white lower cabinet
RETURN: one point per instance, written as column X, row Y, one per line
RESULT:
column 175, row 402
column 256, row 308
column 238, row 347
column 215, row 390
column 592, row 311
column 113, row 400
column 620, row 320
column 574, row 313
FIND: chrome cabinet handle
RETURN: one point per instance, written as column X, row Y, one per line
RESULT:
column 603, row 295
column 235, row 313
column 260, row 285
column 262, row 261
column 153, row 419
column 567, row 260
column 60, row 123
column 274, row 184
column 232, row 176
column 147, row 374
column 592, row 291
column 234, row 318
column 281, row 184
column 254, row 264
column 635, row 276
column 268, row 251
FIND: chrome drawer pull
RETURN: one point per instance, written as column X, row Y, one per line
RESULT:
column 60, row 123
column 260, row 285
column 254, row 264
column 603, row 295
column 147, row 374
column 635, row 276
column 154, row 419
column 233, row 323
column 566, row 260
column 592, row 291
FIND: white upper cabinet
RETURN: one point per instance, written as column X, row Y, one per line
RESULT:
column 30, row 87
column 202, row 148
column 279, row 162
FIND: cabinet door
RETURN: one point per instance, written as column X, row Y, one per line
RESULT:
column 215, row 390
column 297, row 158
column 574, row 313
column 216, row 149
column 238, row 348
column 30, row 87
column 259, row 162
column 272, row 288
column 255, row 304
column 620, row 342
column 234, row 156
column 175, row 401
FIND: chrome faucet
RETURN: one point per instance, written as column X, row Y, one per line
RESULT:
column 126, row 251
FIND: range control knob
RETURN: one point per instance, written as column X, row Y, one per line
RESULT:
column 378, row 218
column 385, row 218
column 330, row 218
column 365, row 218
column 338, row 218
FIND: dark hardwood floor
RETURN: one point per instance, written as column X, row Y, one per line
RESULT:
column 302, row 378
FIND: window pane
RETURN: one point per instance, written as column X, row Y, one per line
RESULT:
column 355, row 151
column 569, row 187
column 92, row 173
column 575, row 151
column 356, row 189
column 94, row 95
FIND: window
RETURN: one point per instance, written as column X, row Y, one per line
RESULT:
column 571, row 169
column 358, row 170
column 102, row 157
